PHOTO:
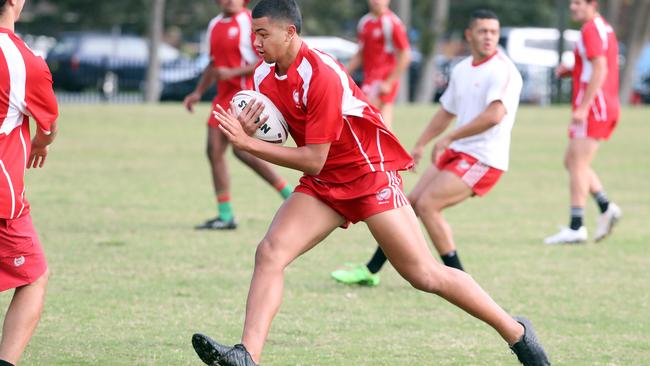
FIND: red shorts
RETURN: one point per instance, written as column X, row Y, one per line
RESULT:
column 371, row 89
column 223, row 98
column 593, row 128
column 359, row 199
column 22, row 260
column 478, row 176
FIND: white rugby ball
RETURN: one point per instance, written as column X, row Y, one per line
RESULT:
column 275, row 129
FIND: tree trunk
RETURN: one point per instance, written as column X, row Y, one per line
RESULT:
column 403, row 8
column 156, row 27
column 635, row 41
column 437, row 27
column 613, row 13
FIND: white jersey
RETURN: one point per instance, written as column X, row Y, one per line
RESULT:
column 471, row 89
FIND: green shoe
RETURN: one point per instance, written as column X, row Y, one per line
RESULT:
column 357, row 275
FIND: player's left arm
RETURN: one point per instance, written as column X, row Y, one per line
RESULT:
column 309, row 159
column 598, row 76
column 402, row 54
column 41, row 105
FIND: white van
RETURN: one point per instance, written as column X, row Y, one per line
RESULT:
column 534, row 51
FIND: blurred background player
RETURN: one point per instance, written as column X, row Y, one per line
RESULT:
column 351, row 164
column 483, row 93
column 25, row 90
column 384, row 54
column 596, row 111
column 232, row 63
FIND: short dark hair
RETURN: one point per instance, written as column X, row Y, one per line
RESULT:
column 279, row 9
column 481, row 14
column 2, row 6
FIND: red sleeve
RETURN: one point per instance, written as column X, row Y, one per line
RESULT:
column 39, row 96
column 324, row 109
column 593, row 43
column 400, row 39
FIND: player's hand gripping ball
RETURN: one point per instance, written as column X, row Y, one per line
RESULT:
column 275, row 129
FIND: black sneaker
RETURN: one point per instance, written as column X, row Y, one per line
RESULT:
column 528, row 349
column 217, row 224
column 215, row 354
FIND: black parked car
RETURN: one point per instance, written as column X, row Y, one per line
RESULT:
column 102, row 61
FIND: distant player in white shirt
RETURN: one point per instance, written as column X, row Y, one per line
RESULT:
column 483, row 94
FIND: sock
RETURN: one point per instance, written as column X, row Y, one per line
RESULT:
column 224, row 207
column 284, row 188
column 5, row 363
column 451, row 259
column 377, row 261
column 577, row 213
column 601, row 200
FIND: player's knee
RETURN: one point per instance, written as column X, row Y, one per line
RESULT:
column 425, row 279
column 426, row 207
column 267, row 256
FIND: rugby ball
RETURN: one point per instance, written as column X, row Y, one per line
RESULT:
column 275, row 129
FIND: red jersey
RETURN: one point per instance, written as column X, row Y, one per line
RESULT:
column 379, row 38
column 25, row 90
column 231, row 45
column 322, row 104
column 597, row 38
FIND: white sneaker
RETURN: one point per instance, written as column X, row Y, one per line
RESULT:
column 607, row 220
column 568, row 236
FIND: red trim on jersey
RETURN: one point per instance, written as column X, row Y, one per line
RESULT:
column 484, row 60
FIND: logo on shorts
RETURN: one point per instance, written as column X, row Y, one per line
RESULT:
column 233, row 32
column 463, row 165
column 383, row 195
column 19, row 261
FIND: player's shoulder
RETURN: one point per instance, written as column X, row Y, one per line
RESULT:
column 462, row 66
column 213, row 22
column 29, row 57
column 244, row 16
column 393, row 18
column 365, row 20
column 504, row 65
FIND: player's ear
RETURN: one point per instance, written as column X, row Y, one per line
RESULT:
column 468, row 34
column 291, row 32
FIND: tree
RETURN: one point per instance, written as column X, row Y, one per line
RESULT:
column 156, row 28
column 435, row 32
column 635, row 41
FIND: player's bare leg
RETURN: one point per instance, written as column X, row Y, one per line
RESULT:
column 577, row 160
column 579, row 156
column 259, row 166
column 398, row 233
column 216, row 151
column 300, row 223
column 444, row 190
column 22, row 318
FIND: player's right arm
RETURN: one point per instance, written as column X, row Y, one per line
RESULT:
column 438, row 125
column 562, row 71
column 355, row 62
column 208, row 77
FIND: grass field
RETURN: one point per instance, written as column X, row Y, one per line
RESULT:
column 131, row 281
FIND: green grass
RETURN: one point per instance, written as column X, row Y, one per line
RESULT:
column 131, row 281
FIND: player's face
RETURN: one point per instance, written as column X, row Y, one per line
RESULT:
column 272, row 38
column 378, row 6
column 483, row 36
column 231, row 6
column 581, row 10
